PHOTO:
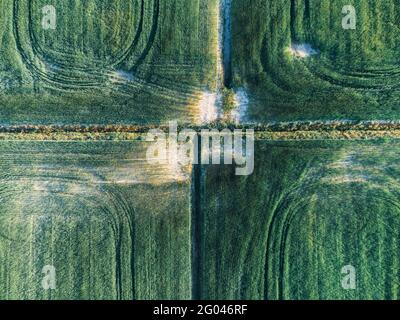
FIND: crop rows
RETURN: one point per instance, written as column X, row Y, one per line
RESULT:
column 117, row 227
column 351, row 74
column 90, row 210
column 309, row 209
column 105, row 61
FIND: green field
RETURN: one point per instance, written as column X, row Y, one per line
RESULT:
column 113, row 226
column 309, row 209
column 81, row 86
column 353, row 75
column 106, row 62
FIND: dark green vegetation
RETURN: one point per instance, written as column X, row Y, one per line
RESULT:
column 113, row 226
column 106, row 62
column 309, row 209
column 354, row 73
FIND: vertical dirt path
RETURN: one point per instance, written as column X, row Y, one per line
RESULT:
column 226, row 41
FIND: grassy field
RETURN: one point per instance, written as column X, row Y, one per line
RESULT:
column 76, row 189
column 116, row 227
column 113, row 226
column 107, row 62
column 353, row 73
column 309, row 209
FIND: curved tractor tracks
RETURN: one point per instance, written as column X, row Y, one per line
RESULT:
column 101, row 201
column 384, row 77
column 292, row 206
column 89, row 74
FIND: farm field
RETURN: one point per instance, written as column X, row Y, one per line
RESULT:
column 115, row 227
column 105, row 62
column 310, row 209
column 297, row 62
column 112, row 226
column 82, row 83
